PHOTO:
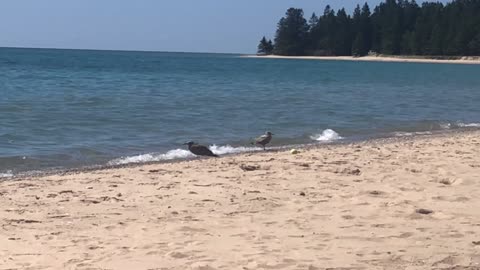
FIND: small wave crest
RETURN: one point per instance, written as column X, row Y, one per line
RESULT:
column 468, row 124
column 327, row 135
column 405, row 134
column 179, row 154
column 227, row 149
column 6, row 174
column 172, row 154
column 445, row 126
column 436, row 126
column 458, row 125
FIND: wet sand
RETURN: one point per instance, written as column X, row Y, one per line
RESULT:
column 384, row 204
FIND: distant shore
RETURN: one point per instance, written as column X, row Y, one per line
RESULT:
column 409, row 59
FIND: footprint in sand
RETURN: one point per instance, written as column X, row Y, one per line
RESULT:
column 451, row 181
column 405, row 235
column 452, row 260
column 376, row 193
column 177, row 255
column 201, row 266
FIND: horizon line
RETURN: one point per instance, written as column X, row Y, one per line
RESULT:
column 117, row 50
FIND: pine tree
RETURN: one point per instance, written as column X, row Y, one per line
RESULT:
column 474, row 46
column 358, row 46
column 343, row 35
column 326, row 32
column 366, row 27
column 312, row 23
column 262, row 46
column 291, row 35
column 270, row 47
column 362, row 30
column 394, row 27
column 265, row 47
column 310, row 42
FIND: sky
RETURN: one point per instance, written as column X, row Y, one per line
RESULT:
column 220, row 26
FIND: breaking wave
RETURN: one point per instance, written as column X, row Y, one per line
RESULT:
column 179, row 154
column 172, row 154
column 468, row 124
column 327, row 135
column 227, row 149
column 6, row 174
column 458, row 125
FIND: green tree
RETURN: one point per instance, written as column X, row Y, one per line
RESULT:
column 388, row 18
column 312, row 23
column 325, row 33
column 265, row 46
column 358, row 46
column 343, row 36
column 474, row 45
column 366, row 27
column 270, row 47
column 408, row 43
column 310, row 42
column 362, row 30
column 394, row 27
column 291, row 35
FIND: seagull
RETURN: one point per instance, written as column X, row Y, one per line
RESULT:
column 199, row 150
column 264, row 139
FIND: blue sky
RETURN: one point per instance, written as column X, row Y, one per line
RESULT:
column 155, row 25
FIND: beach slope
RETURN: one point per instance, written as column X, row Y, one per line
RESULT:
column 385, row 204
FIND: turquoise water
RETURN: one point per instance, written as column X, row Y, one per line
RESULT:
column 73, row 108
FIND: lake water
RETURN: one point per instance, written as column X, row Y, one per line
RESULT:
column 73, row 108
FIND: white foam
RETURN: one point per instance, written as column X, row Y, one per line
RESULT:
column 6, row 174
column 405, row 134
column 227, row 149
column 445, row 126
column 327, row 135
column 179, row 154
column 468, row 124
column 172, row 154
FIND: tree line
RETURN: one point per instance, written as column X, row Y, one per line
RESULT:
column 395, row 27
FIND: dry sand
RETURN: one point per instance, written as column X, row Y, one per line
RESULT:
column 463, row 60
column 356, row 206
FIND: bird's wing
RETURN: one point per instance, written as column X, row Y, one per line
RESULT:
column 261, row 138
column 201, row 150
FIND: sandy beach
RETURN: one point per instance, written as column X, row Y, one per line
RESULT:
column 386, row 204
column 463, row 60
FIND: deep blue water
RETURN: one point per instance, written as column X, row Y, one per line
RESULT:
column 71, row 108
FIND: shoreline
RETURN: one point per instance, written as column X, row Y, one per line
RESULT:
column 395, row 59
column 283, row 148
column 383, row 204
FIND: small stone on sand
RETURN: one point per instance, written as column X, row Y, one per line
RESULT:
column 294, row 151
column 424, row 211
column 249, row 167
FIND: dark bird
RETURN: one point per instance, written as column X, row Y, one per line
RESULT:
column 264, row 139
column 199, row 150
